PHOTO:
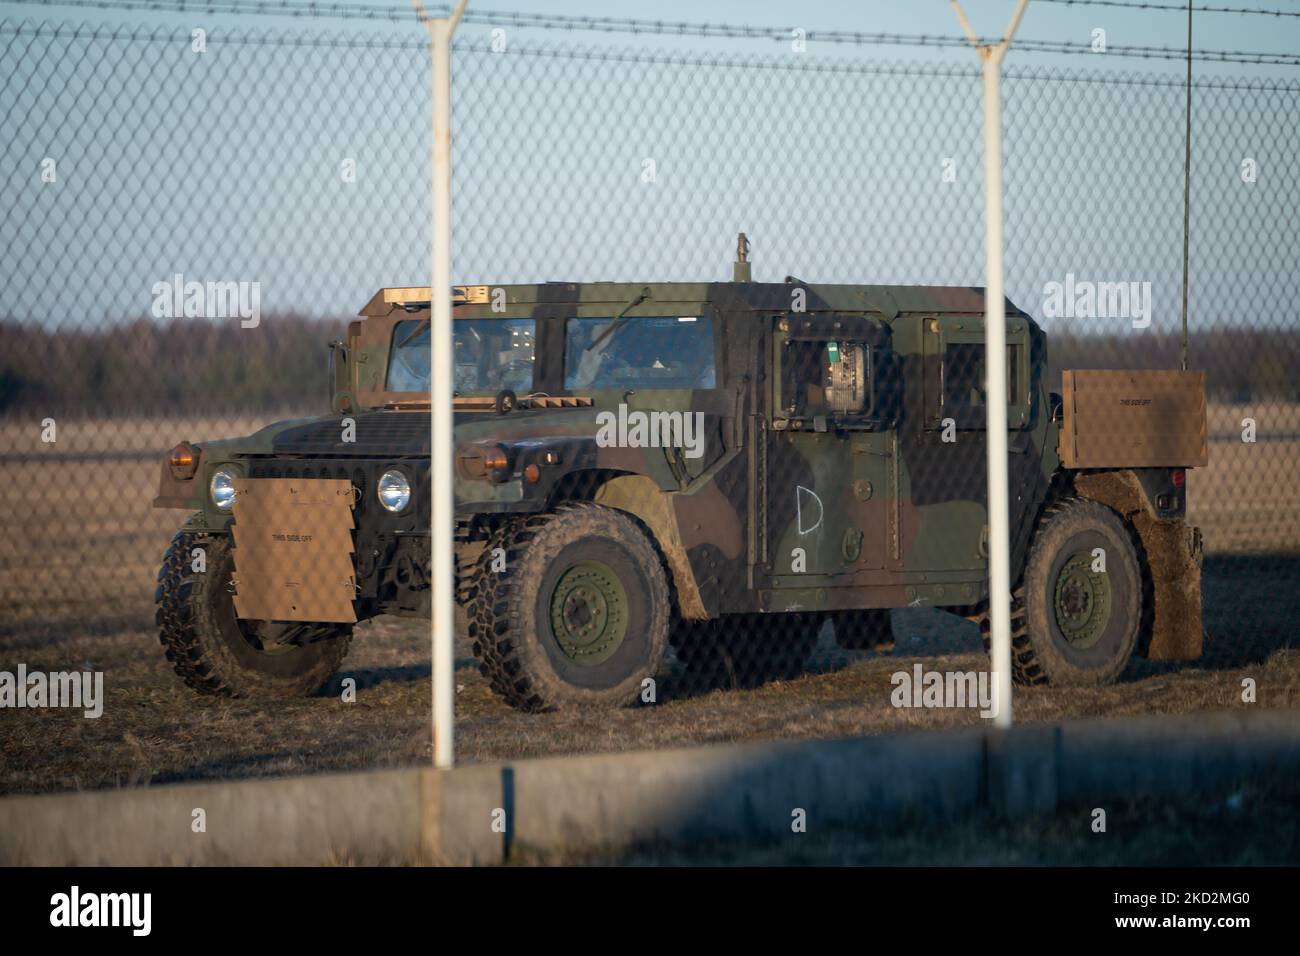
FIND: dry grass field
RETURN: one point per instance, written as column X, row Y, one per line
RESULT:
column 81, row 542
column 156, row 730
column 79, row 552
column 1247, row 500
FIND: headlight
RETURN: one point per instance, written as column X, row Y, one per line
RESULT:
column 394, row 490
column 223, row 488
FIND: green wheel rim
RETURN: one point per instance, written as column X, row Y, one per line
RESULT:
column 1081, row 601
column 589, row 613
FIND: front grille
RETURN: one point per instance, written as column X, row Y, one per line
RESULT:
column 364, row 476
column 377, row 433
column 272, row 468
column 276, row 468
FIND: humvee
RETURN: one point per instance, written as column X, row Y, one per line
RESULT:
column 717, row 467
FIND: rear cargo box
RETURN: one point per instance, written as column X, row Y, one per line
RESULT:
column 1133, row 419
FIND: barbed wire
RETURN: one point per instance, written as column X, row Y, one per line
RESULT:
column 402, row 12
column 323, row 39
column 277, row 8
column 1172, row 7
column 547, row 21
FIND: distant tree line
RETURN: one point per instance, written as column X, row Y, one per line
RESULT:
column 1240, row 364
column 202, row 366
column 181, row 365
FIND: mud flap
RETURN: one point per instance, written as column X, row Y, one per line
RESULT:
column 293, row 550
column 1173, row 557
column 1173, row 551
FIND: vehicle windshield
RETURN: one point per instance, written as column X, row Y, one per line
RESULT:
column 490, row 355
column 655, row 352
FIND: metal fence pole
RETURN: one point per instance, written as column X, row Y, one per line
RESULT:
column 1187, row 180
column 995, row 364
column 442, row 501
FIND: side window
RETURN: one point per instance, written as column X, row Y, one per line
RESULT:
column 833, row 380
column 963, row 378
column 963, row 396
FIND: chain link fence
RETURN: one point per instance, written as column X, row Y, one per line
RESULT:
column 285, row 170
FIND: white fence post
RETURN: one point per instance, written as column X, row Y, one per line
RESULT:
column 995, row 364
column 441, row 498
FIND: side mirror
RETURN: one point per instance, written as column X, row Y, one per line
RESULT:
column 341, row 398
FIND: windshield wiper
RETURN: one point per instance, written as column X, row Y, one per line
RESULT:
column 424, row 324
column 617, row 322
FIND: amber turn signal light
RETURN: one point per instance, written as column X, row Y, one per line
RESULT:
column 183, row 460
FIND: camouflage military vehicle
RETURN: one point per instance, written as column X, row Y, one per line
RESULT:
column 716, row 467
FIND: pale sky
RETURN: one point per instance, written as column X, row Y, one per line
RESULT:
column 226, row 166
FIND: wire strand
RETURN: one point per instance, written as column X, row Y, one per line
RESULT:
column 662, row 28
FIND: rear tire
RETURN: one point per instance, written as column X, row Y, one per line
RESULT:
column 216, row 653
column 1072, row 624
column 578, row 617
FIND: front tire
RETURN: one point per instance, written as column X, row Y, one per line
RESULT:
column 215, row 652
column 570, row 608
column 1072, row 623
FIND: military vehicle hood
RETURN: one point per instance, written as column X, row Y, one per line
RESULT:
column 392, row 433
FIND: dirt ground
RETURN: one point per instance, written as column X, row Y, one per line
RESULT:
column 78, row 560
column 155, row 730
